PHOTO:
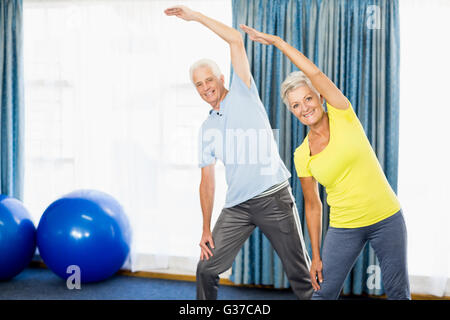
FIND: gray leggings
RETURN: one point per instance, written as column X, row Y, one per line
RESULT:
column 342, row 247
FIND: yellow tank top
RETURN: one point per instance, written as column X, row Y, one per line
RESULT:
column 358, row 192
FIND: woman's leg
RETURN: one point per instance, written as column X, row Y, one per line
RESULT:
column 389, row 240
column 340, row 250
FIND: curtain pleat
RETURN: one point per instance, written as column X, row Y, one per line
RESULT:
column 12, row 98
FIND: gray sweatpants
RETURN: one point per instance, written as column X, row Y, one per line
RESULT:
column 343, row 245
column 276, row 216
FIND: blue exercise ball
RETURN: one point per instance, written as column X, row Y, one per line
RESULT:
column 87, row 229
column 17, row 237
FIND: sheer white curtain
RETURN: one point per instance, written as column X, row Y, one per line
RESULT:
column 424, row 154
column 110, row 106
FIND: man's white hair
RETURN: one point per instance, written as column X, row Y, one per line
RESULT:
column 204, row 63
column 293, row 81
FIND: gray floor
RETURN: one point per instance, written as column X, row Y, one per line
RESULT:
column 42, row 284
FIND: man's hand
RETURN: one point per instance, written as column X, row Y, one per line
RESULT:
column 182, row 12
column 316, row 273
column 206, row 252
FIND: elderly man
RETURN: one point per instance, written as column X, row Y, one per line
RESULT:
column 237, row 132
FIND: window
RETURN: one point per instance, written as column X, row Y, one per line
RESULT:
column 424, row 155
column 110, row 106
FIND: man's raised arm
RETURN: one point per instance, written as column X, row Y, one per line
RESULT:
column 232, row 36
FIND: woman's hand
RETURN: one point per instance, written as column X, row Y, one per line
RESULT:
column 182, row 12
column 258, row 36
column 316, row 273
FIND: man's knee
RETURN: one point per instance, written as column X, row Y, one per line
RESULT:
column 205, row 269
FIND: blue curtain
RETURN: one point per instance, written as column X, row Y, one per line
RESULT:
column 12, row 98
column 356, row 43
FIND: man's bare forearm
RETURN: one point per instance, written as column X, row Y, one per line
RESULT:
column 234, row 39
column 227, row 33
column 206, row 203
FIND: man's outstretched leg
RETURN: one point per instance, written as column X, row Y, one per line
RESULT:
column 231, row 230
column 277, row 217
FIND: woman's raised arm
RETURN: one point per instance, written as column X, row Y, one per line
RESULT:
column 319, row 80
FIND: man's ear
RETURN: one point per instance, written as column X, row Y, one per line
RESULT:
column 222, row 79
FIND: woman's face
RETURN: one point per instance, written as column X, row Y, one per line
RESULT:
column 306, row 105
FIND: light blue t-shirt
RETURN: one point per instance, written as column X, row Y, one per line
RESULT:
column 240, row 135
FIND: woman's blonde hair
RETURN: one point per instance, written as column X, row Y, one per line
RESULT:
column 293, row 81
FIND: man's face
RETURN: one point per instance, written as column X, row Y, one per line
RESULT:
column 209, row 86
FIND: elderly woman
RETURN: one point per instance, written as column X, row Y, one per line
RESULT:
column 337, row 154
